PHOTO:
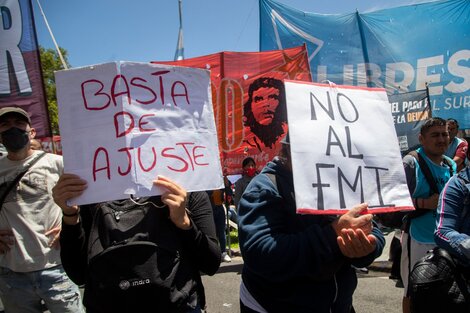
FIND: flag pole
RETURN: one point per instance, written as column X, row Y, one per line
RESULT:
column 179, row 54
column 53, row 39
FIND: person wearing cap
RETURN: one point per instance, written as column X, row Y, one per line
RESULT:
column 30, row 223
column 299, row 263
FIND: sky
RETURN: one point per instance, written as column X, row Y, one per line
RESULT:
column 101, row 31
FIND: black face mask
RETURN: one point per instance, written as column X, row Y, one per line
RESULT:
column 15, row 139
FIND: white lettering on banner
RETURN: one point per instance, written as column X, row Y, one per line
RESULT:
column 374, row 73
column 457, row 102
column 391, row 77
column 401, row 75
column 459, row 71
column 10, row 38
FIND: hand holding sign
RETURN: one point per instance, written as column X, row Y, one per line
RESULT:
column 68, row 186
column 124, row 123
column 354, row 219
column 176, row 198
column 353, row 230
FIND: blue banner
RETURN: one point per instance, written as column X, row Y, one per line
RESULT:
column 401, row 49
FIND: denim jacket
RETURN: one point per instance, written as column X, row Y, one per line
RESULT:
column 453, row 219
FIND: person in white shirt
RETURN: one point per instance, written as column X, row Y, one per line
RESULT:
column 30, row 223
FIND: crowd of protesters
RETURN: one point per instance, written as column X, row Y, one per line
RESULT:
column 292, row 262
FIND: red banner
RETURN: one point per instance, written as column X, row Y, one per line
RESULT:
column 51, row 144
column 249, row 100
column 21, row 82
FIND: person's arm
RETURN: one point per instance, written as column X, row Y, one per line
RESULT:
column 73, row 237
column 379, row 246
column 74, row 243
column 278, row 254
column 192, row 214
column 200, row 240
column 449, row 220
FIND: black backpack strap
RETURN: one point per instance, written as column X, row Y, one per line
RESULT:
column 9, row 187
column 429, row 179
column 426, row 171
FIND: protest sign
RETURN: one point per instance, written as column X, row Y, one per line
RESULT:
column 124, row 123
column 249, row 103
column 410, row 110
column 344, row 149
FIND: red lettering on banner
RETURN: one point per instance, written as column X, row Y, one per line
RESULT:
column 174, row 94
column 186, row 154
column 116, row 124
column 127, row 92
column 154, row 95
column 106, row 167
column 174, row 156
column 120, row 87
column 162, row 89
column 129, row 161
column 153, row 162
column 98, row 93
column 183, row 144
column 142, row 123
column 197, row 156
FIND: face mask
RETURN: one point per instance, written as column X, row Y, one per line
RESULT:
column 250, row 172
column 15, row 139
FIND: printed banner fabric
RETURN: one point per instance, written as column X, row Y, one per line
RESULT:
column 409, row 110
column 249, row 102
column 401, row 49
column 21, row 82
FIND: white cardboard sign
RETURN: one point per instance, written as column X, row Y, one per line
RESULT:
column 344, row 149
column 124, row 123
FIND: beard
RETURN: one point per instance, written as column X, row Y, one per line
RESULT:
column 268, row 134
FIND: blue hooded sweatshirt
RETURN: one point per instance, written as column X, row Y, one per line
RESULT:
column 292, row 262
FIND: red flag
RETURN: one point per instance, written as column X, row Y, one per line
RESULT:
column 249, row 100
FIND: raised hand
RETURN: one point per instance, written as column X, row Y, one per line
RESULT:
column 68, row 187
column 354, row 219
column 355, row 243
column 176, row 199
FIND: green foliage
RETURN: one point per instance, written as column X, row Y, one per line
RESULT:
column 50, row 62
column 234, row 240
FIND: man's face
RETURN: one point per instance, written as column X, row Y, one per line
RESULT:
column 435, row 141
column 13, row 120
column 453, row 130
column 264, row 104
